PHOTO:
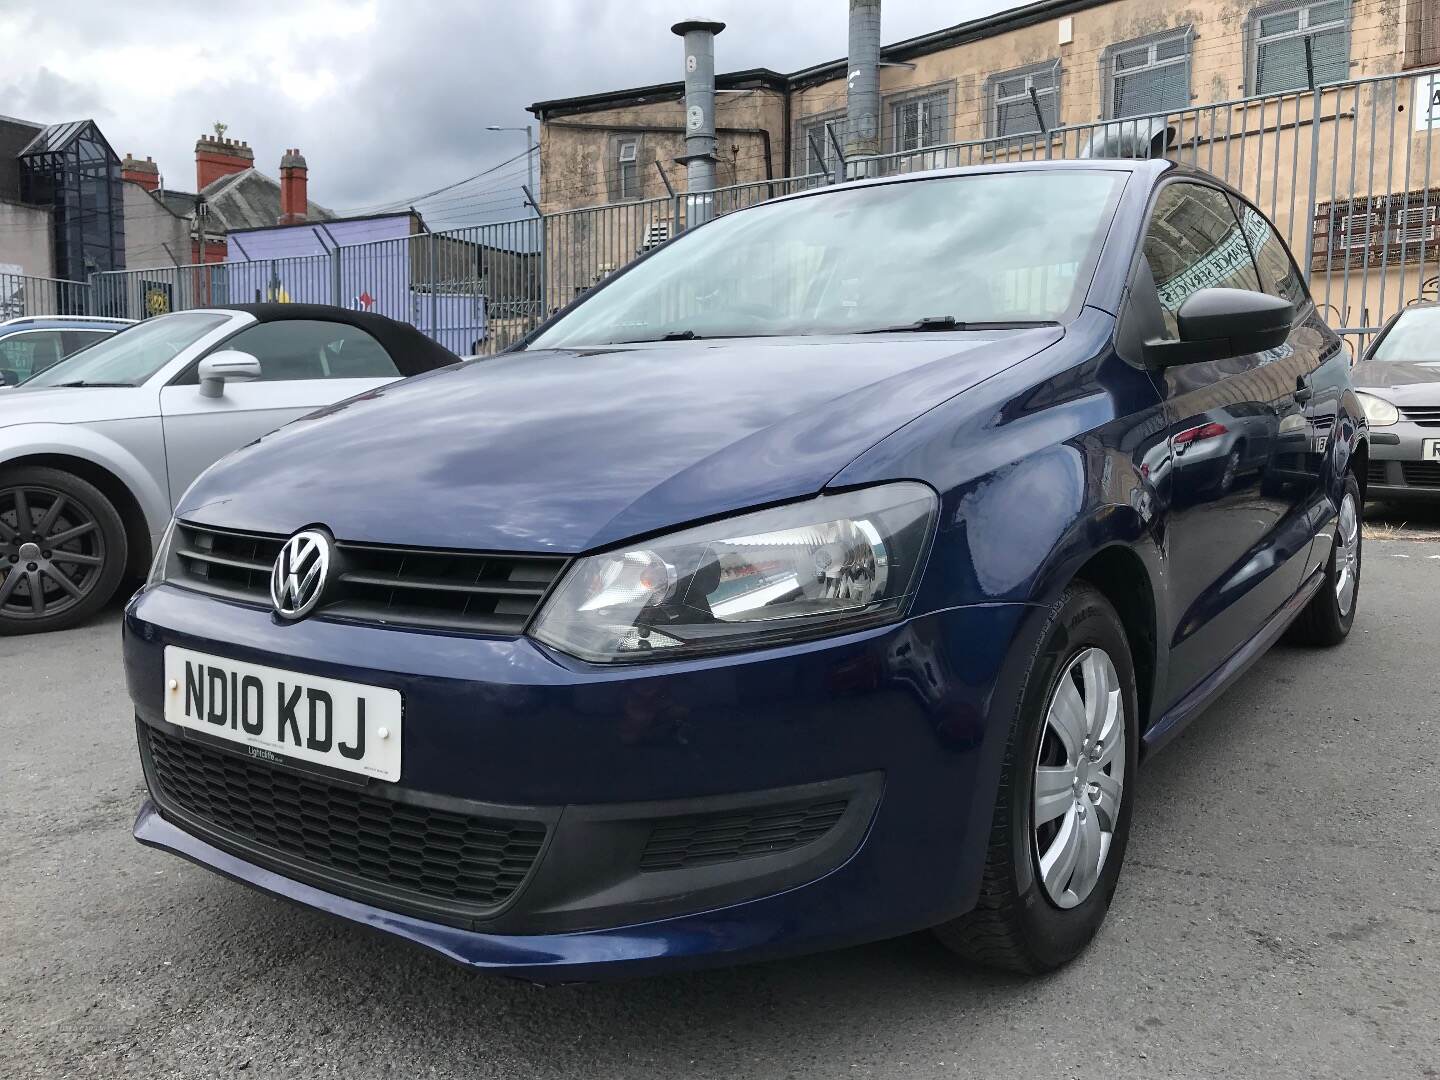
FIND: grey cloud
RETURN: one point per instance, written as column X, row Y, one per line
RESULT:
column 413, row 95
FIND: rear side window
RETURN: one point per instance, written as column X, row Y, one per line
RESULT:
column 1279, row 276
column 30, row 351
column 1194, row 242
column 292, row 349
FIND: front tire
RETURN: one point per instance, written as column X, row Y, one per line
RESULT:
column 1062, row 815
column 62, row 550
column 1327, row 618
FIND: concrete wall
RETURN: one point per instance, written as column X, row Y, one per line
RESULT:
column 25, row 239
column 154, row 234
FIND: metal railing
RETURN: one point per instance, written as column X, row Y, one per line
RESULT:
column 1349, row 173
column 22, row 294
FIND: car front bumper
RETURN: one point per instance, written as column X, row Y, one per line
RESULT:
column 885, row 746
column 1398, row 469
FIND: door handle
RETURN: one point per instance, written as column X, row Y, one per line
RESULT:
column 1303, row 392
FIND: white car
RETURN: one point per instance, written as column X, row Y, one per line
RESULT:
column 95, row 451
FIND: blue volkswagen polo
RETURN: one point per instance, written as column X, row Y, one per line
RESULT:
column 824, row 576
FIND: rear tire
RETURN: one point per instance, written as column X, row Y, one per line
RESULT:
column 1327, row 618
column 1034, row 915
column 63, row 550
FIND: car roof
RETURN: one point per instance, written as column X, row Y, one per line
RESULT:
column 412, row 350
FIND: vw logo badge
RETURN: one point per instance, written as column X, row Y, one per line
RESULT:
column 300, row 573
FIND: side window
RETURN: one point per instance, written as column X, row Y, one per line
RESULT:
column 72, row 341
column 31, row 351
column 1194, row 242
column 1279, row 276
column 304, row 349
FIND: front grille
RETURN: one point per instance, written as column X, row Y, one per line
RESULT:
column 380, row 847
column 419, row 587
column 1424, row 415
column 1421, row 473
column 716, row 838
column 1375, row 473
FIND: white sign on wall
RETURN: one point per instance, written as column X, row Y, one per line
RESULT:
column 1427, row 102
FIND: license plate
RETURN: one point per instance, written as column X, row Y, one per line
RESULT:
column 1430, row 449
column 343, row 725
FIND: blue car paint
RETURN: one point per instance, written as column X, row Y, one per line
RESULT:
column 1038, row 443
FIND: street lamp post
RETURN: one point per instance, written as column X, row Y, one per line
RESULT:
column 529, row 157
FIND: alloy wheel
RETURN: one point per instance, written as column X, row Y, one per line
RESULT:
column 52, row 552
column 1079, row 778
column 1347, row 554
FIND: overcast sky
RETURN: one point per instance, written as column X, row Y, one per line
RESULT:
column 385, row 99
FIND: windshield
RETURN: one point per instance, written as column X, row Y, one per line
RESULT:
column 131, row 356
column 1415, row 336
column 931, row 254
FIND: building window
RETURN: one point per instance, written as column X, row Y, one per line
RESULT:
column 813, row 132
column 1012, row 106
column 1149, row 75
column 1401, row 227
column 919, row 122
column 1280, row 33
column 1422, row 33
column 628, row 169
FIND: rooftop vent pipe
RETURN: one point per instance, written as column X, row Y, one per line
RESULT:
column 699, row 158
column 862, row 87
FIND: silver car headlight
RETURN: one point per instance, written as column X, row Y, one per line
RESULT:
column 1378, row 411
column 833, row 563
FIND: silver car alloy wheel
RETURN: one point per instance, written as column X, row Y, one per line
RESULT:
column 1347, row 554
column 1079, row 777
column 52, row 552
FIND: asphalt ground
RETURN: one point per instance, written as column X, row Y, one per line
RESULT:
column 1279, row 916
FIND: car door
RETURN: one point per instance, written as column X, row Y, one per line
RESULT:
column 1322, row 374
column 305, row 364
column 1236, row 531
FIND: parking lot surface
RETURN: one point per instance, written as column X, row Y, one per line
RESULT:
column 1279, row 916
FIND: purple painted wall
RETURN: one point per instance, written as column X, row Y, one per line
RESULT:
column 315, row 238
column 373, row 272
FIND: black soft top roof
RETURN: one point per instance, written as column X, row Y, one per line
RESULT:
column 411, row 350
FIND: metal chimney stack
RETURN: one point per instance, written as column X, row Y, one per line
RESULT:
column 862, row 87
column 699, row 159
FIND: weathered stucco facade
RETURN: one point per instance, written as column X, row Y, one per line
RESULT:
column 1228, row 76
column 762, row 116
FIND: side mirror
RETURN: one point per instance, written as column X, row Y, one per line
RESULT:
column 8, row 377
column 227, row 365
column 1216, row 324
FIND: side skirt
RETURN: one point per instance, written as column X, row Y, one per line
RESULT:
column 1193, row 703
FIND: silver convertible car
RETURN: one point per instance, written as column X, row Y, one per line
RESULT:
column 95, row 451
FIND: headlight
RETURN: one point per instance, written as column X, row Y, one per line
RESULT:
column 162, row 555
column 818, row 567
column 1378, row 411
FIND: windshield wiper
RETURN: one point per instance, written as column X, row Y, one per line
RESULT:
column 88, row 385
column 684, row 335
column 949, row 322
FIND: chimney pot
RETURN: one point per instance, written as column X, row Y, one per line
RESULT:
column 294, row 200
column 217, row 156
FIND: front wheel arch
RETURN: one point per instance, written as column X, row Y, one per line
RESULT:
column 137, row 529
